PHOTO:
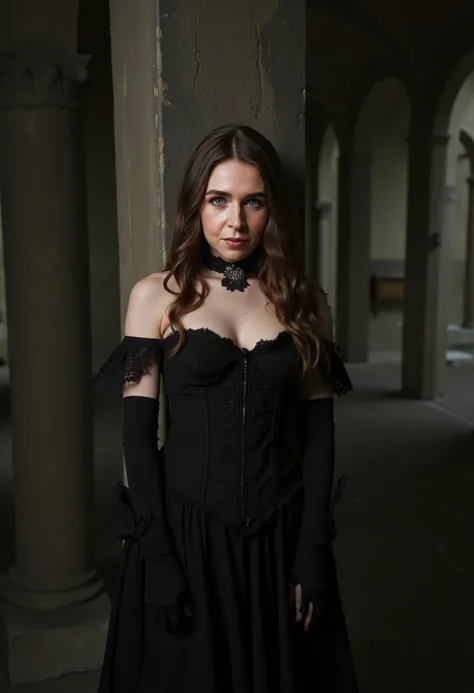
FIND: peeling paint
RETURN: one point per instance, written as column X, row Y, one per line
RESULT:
column 161, row 154
column 162, row 89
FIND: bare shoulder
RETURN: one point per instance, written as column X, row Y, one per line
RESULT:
column 147, row 305
column 148, row 290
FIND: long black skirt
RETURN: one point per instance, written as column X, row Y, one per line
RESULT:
column 243, row 637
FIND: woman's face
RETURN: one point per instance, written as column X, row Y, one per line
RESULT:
column 234, row 212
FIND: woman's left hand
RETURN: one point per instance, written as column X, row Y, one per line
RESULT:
column 304, row 612
column 298, row 604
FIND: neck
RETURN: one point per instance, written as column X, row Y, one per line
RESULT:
column 235, row 274
column 216, row 263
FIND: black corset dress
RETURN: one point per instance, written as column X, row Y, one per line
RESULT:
column 232, row 463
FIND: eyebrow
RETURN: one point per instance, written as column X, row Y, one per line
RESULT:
column 222, row 193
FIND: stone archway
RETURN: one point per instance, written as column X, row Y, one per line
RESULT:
column 364, row 164
column 453, row 115
column 461, row 69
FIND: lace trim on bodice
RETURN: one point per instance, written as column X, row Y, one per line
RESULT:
column 264, row 344
column 132, row 359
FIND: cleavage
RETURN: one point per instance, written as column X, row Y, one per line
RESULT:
column 254, row 328
column 241, row 318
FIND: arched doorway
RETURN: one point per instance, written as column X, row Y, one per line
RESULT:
column 381, row 132
column 460, row 231
column 372, row 225
column 455, row 116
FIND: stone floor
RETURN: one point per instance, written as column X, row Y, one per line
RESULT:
column 405, row 527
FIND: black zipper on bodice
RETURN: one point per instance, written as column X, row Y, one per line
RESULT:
column 245, row 519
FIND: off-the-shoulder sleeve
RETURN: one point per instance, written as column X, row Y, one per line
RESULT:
column 334, row 370
column 129, row 362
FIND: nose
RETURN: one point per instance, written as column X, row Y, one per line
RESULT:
column 236, row 216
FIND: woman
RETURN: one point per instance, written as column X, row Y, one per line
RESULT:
column 228, row 582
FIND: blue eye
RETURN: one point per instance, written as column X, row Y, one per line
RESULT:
column 255, row 202
column 217, row 201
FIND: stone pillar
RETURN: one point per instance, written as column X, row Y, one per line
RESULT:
column 353, row 255
column 56, row 614
column 445, row 281
column 322, row 246
column 468, row 320
column 427, row 259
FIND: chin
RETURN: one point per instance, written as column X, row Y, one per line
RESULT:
column 234, row 255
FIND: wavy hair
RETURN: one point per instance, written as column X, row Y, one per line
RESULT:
column 292, row 296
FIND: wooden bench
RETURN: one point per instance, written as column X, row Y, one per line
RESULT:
column 387, row 280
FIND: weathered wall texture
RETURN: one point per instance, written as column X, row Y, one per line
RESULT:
column 136, row 69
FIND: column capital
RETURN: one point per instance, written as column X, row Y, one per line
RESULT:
column 36, row 80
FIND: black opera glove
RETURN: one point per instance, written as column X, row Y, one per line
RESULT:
column 165, row 584
column 313, row 566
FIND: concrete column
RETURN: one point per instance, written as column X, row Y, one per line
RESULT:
column 322, row 245
column 468, row 320
column 47, row 293
column 427, row 260
column 353, row 255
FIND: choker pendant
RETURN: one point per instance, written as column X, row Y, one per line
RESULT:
column 234, row 278
column 235, row 273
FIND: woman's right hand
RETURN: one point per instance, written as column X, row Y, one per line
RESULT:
column 174, row 619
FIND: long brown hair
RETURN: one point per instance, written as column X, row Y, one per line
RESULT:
column 280, row 278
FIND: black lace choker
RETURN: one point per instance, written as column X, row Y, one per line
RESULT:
column 235, row 273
